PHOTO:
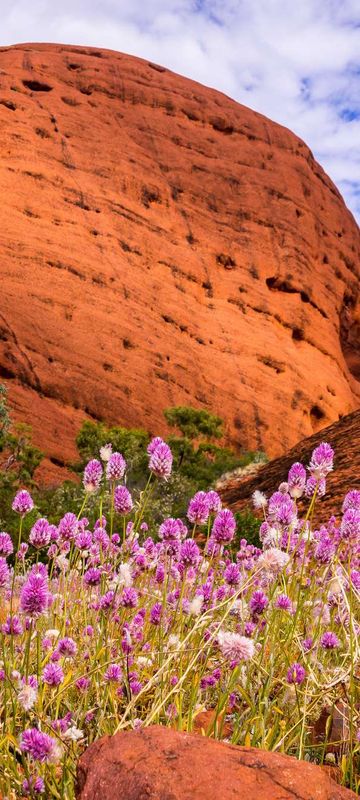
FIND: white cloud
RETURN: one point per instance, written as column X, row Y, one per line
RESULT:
column 298, row 63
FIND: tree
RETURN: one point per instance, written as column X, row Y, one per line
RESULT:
column 131, row 442
column 194, row 423
column 19, row 459
column 4, row 417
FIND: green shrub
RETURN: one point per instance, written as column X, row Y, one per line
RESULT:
column 198, row 464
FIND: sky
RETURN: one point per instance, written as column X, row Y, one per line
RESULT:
column 296, row 61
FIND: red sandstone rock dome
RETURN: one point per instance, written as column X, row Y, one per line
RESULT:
column 162, row 244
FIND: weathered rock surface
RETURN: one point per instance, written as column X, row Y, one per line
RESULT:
column 344, row 437
column 161, row 244
column 163, row 764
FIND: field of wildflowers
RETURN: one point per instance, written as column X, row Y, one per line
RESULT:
column 106, row 629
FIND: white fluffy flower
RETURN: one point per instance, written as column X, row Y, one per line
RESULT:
column 52, row 633
column 235, row 647
column 196, row 605
column 335, row 586
column 127, row 637
column 125, row 576
column 330, row 758
column 144, row 661
column 307, row 534
column 237, row 608
column 173, row 642
column 57, row 753
column 106, row 452
column 27, row 697
column 204, row 566
column 74, row 734
column 62, row 562
column 270, row 538
column 273, row 560
column 259, row 499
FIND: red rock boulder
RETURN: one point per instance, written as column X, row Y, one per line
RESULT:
column 162, row 764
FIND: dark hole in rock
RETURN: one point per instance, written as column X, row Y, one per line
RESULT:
column 219, row 124
column 37, row 86
column 226, row 261
column 176, row 191
column 317, row 412
column 42, row 133
column 127, row 344
column 5, row 372
column 149, row 196
column 8, row 104
column 298, row 334
column 192, row 115
column 280, row 285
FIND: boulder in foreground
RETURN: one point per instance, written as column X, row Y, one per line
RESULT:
column 162, row 764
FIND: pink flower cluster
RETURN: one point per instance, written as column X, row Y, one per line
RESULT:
column 103, row 621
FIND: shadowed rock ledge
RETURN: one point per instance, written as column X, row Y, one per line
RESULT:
column 344, row 437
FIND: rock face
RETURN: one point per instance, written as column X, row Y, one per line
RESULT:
column 344, row 437
column 163, row 764
column 160, row 245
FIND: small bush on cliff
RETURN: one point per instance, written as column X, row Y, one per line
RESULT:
column 19, row 458
column 104, row 628
column 194, row 423
column 198, row 463
column 196, row 456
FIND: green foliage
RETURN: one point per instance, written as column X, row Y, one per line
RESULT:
column 198, row 463
column 25, row 456
column 4, row 417
column 194, row 423
column 18, row 461
column 55, row 502
column 131, row 442
column 206, row 463
column 195, row 467
column 247, row 527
